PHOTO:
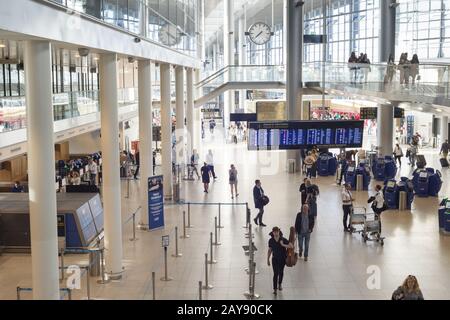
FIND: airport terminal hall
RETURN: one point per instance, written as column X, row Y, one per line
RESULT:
column 246, row 152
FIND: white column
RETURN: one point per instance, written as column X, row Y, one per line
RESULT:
column 228, row 51
column 196, row 137
column 285, row 31
column 41, row 170
column 111, row 164
column 385, row 129
column 444, row 129
column 145, row 133
column 190, row 111
column 180, row 115
column 166, row 130
column 242, row 57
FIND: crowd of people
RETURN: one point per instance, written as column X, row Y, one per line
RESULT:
column 237, row 132
column 360, row 67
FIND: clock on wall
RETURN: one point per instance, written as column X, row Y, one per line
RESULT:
column 259, row 33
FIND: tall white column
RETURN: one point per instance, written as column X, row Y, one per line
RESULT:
column 166, row 130
column 196, row 136
column 385, row 129
column 111, row 164
column 285, row 30
column 190, row 111
column 228, row 51
column 180, row 115
column 294, row 81
column 41, row 170
column 444, row 129
column 145, row 133
column 242, row 57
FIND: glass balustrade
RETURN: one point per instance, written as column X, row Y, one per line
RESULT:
column 65, row 106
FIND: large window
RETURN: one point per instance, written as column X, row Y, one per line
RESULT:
column 421, row 28
column 352, row 25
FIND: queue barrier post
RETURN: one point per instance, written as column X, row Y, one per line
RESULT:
column 176, row 254
column 216, row 240
column 211, row 261
column 207, row 286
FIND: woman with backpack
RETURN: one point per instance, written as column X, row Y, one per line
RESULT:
column 232, row 173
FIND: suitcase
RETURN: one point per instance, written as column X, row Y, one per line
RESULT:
column 421, row 162
column 444, row 163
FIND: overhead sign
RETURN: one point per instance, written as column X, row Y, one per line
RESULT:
column 372, row 113
column 243, row 117
column 155, row 202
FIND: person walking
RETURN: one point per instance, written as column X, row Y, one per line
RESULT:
column 210, row 162
column 154, row 162
column 444, row 149
column 194, row 163
column 347, row 206
column 278, row 246
column 390, row 70
column 309, row 162
column 398, row 154
column 304, row 225
column 413, row 150
column 378, row 203
column 137, row 162
column 312, row 192
column 205, row 176
column 258, row 195
column 409, row 290
column 232, row 174
column 302, row 190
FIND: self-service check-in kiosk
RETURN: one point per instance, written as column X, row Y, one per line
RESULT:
column 391, row 194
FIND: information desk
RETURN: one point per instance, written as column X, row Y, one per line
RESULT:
column 79, row 220
column 291, row 135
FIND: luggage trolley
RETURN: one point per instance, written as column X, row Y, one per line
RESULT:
column 372, row 229
column 357, row 219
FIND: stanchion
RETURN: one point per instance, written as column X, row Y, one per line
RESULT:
column 216, row 241
column 134, row 228
column 18, row 293
column 200, row 290
column 61, row 254
column 88, row 283
column 250, row 294
column 247, row 216
column 176, row 254
column 69, row 294
column 211, row 261
column 154, row 285
column 166, row 277
column 220, row 219
column 103, row 280
column 207, row 286
column 190, row 226
column 128, row 188
column 184, row 236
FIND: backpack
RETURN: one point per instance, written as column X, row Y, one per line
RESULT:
column 232, row 175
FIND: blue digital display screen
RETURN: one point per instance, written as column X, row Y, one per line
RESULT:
column 302, row 134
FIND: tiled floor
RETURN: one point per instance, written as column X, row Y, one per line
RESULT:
column 338, row 263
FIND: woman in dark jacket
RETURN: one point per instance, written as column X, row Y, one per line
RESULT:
column 258, row 194
column 278, row 246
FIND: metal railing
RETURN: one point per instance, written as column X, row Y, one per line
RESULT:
column 66, row 291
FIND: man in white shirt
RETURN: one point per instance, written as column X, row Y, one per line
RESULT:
column 347, row 205
column 93, row 170
column 210, row 163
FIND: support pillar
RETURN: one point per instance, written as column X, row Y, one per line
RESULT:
column 180, row 115
column 228, row 52
column 242, row 58
column 388, row 10
column 444, row 129
column 166, row 130
column 385, row 129
column 145, row 133
column 197, row 116
column 111, row 164
column 294, row 84
column 190, row 112
column 41, row 170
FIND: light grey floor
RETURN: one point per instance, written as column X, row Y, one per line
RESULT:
column 338, row 263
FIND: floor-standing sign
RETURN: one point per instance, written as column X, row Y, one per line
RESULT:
column 155, row 202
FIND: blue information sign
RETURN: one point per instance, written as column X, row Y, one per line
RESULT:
column 155, row 202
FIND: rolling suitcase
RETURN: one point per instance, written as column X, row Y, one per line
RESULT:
column 444, row 163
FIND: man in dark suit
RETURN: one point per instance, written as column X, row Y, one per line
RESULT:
column 258, row 194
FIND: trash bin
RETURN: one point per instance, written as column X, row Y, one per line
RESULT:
column 95, row 263
column 291, row 165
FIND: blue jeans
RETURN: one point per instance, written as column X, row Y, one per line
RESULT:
column 304, row 237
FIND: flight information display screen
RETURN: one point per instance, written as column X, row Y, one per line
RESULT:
column 286, row 135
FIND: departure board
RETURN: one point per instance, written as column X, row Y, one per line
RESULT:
column 288, row 135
